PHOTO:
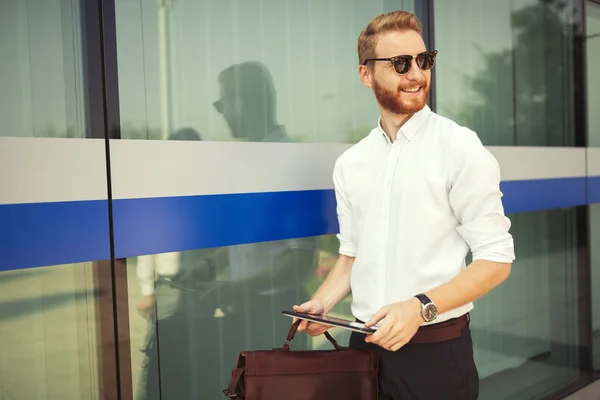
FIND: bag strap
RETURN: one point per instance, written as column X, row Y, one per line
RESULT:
column 236, row 375
column 290, row 337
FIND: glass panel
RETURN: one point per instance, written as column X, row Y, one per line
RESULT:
column 253, row 70
column 41, row 82
column 279, row 68
column 505, row 70
column 48, row 333
column 593, row 94
column 526, row 332
column 593, row 79
column 212, row 304
column 595, row 261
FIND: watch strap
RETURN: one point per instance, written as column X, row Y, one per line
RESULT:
column 423, row 299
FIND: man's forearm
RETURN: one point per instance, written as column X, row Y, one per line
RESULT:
column 479, row 278
column 337, row 284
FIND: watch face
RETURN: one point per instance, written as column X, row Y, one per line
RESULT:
column 430, row 312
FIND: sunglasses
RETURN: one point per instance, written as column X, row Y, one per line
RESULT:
column 402, row 64
column 219, row 105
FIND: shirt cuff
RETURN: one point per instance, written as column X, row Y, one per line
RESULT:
column 504, row 255
column 347, row 248
column 147, row 288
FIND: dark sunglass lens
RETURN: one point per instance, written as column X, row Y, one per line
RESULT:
column 425, row 61
column 402, row 65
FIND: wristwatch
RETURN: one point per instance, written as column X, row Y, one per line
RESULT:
column 429, row 311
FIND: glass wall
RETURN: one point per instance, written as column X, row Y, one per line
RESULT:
column 505, row 70
column 234, row 71
column 593, row 96
column 41, row 63
column 50, row 343
column 188, row 62
column 219, row 221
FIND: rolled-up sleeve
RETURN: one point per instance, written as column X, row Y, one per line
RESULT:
column 344, row 214
column 476, row 199
column 145, row 274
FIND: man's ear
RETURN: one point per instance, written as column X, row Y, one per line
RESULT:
column 366, row 76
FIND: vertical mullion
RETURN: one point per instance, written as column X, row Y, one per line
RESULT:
column 102, row 122
column 111, row 105
column 424, row 10
column 586, row 359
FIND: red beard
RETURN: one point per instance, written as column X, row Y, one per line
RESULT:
column 399, row 102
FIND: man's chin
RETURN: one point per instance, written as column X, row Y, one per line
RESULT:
column 413, row 106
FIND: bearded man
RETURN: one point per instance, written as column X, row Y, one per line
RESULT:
column 413, row 198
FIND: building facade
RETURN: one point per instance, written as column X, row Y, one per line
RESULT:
column 166, row 167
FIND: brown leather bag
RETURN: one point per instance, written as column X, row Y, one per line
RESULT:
column 340, row 373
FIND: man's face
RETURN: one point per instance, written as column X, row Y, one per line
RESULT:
column 399, row 94
column 230, row 107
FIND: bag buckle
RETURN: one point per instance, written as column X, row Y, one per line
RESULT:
column 230, row 395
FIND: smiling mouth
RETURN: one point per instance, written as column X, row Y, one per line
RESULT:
column 412, row 90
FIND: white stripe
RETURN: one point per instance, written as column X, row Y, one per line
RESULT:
column 519, row 163
column 50, row 169
column 593, row 161
column 38, row 169
column 190, row 168
column 183, row 168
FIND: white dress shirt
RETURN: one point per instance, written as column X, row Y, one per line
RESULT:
column 165, row 265
column 410, row 211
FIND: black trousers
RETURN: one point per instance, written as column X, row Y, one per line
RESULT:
column 429, row 371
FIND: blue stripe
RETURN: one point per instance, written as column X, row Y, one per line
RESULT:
column 42, row 234
column 543, row 194
column 39, row 234
column 158, row 225
column 594, row 189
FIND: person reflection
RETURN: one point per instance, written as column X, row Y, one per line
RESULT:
column 162, row 279
column 263, row 277
column 259, row 279
column 232, row 297
column 248, row 103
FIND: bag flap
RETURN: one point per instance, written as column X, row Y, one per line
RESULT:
column 277, row 362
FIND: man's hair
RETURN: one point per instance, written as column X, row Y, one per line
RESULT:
column 392, row 21
column 253, row 83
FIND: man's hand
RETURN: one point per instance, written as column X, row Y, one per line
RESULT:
column 402, row 320
column 312, row 307
column 146, row 306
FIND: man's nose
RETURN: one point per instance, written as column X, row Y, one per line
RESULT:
column 415, row 73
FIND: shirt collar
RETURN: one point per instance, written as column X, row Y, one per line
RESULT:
column 410, row 127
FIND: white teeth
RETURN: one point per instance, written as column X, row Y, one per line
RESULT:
column 412, row 90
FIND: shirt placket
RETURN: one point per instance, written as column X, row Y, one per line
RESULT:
column 388, row 183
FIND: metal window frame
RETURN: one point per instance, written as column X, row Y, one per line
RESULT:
column 101, row 97
column 424, row 10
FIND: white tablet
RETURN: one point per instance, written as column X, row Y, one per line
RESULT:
column 332, row 321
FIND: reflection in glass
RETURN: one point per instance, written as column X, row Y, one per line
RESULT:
column 41, row 84
column 507, row 70
column 48, row 333
column 593, row 97
column 527, row 332
column 309, row 48
column 211, row 304
column 595, row 266
column 592, row 78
